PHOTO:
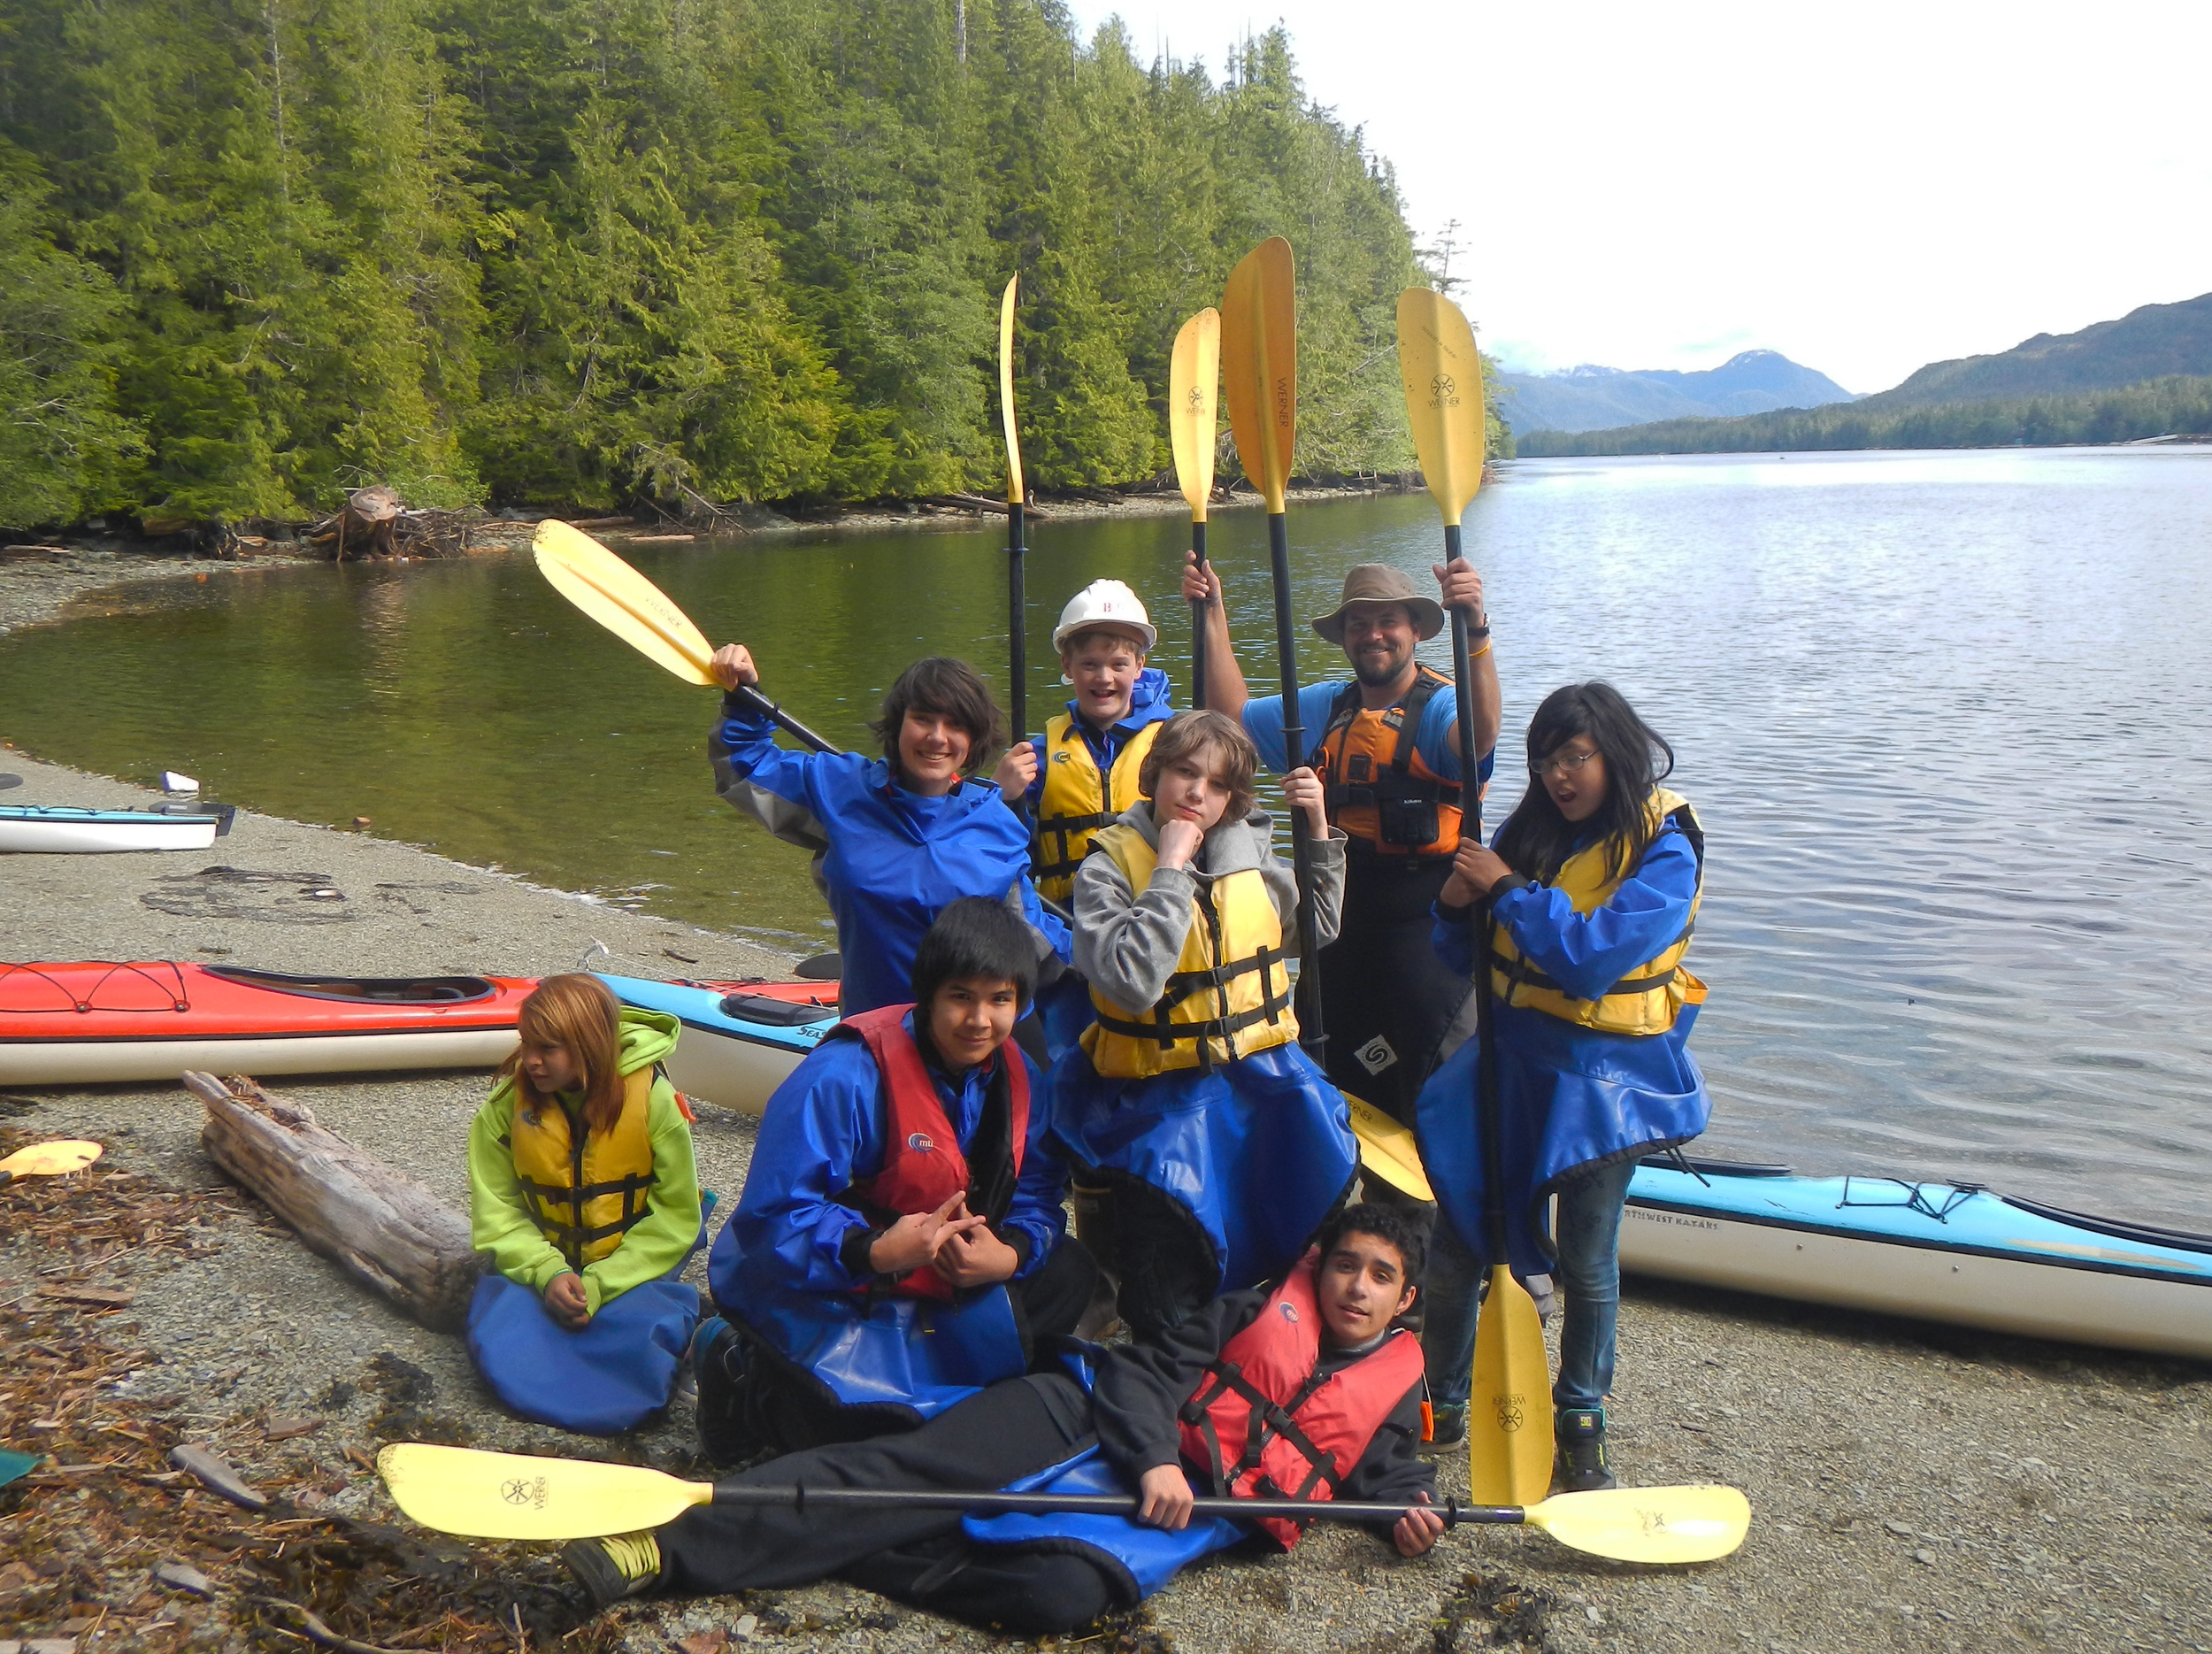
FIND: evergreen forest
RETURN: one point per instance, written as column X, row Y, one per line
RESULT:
column 255, row 253
column 2175, row 404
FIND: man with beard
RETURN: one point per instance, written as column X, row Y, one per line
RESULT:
column 1386, row 744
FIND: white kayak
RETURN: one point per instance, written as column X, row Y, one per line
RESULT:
column 1935, row 1251
column 56, row 828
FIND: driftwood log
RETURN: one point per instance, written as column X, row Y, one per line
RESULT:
column 388, row 1233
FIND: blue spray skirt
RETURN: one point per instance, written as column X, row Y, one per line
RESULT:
column 1931, row 1250
column 610, row 1377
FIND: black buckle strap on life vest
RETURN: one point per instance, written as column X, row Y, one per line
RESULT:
column 1524, row 974
column 1269, row 1420
column 1062, row 828
column 1164, row 1032
column 571, row 1239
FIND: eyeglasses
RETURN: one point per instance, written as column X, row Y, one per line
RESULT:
column 1561, row 764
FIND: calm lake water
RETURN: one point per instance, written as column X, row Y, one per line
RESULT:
column 1945, row 717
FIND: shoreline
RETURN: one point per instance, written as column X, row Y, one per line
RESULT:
column 42, row 592
column 1913, row 1486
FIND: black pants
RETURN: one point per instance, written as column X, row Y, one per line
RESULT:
column 1386, row 1000
column 753, row 1400
column 919, row 1556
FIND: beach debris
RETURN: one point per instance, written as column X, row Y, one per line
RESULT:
column 95, row 1297
column 218, row 1475
column 14, row 1466
column 361, row 822
column 384, row 1229
column 182, row 1576
column 289, row 1429
column 177, row 782
column 287, row 898
column 34, row 554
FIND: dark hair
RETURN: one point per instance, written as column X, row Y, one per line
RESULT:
column 1536, row 840
column 975, row 937
column 951, row 689
column 1235, row 759
column 1385, row 1223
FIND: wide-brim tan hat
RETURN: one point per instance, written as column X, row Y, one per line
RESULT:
column 1378, row 582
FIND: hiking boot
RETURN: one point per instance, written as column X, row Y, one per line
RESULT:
column 717, row 1365
column 1579, row 1434
column 1448, row 1424
column 628, row 1565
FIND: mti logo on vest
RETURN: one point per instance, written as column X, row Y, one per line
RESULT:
column 920, row 1142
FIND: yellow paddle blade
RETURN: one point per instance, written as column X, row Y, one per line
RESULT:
column 51, row 1159
column 1014, row 493
column 622, row 600
column 1193, row 386
column 1509, row 1412
column 509, row 1496
column 1694, row 1524
column 1259, row 359
column 1443, row 378
column 1388, row 1150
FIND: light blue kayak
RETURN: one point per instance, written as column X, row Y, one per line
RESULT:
column 1935, row 1251
column 740, row 1038
column 62, row 829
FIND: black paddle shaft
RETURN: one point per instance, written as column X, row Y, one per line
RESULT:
column 1311, row 1033
column 1016, row 601
column 798, row 1496
column 1198, row 620
column 1486, row 1121
column 754, row 701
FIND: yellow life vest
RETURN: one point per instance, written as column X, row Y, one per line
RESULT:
column 1230, row 994
column 1648, row 998
column 1078, row 800
column 611, row 1171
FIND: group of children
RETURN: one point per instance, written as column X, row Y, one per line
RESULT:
column 1073, row 973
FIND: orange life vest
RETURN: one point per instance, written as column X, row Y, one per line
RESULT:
column 1265, row 1430
column 1377, row 789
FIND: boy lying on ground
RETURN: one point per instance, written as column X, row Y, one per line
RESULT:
column 1164, row 1419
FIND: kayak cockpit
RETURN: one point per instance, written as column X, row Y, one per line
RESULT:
column 371, row 990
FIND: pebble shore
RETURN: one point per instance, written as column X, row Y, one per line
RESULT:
column 1913, row 1486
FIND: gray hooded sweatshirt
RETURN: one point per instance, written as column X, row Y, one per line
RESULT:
column 1127, row 941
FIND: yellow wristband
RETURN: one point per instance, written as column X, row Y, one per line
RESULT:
column 1478, row 653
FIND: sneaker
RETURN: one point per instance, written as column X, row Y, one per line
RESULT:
column 1579, row 1433
column 717, row 1366
column 1448, row 1426
column 628, row 1565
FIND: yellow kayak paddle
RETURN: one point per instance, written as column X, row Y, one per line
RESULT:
column 49, row 1159
column 640, row 613
column 1193, row 389
column 509, row 1496
column 1509, row 1414
column 1017, row 497
column 1388, row 1150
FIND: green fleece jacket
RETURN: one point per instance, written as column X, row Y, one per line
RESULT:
column 500, row 1223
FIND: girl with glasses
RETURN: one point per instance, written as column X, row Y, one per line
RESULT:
column 1590, row 890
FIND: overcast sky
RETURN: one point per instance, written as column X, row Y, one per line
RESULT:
column 1862, row 188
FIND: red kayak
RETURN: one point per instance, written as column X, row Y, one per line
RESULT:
column 99, row 1021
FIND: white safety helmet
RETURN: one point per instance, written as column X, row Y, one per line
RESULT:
column 1108, row 603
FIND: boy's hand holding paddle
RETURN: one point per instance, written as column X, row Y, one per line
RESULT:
column 1302, row 790
column 733, row 666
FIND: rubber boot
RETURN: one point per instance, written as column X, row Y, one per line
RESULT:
column 1579, row 1434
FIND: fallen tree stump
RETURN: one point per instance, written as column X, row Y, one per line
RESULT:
column 387, row 1232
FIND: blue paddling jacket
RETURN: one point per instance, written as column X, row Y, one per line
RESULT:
column 1570, row 1097
column 791, row 1263
column 889, row 860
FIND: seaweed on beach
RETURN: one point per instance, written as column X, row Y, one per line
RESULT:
column 83, row 1533
column 1490, row 1610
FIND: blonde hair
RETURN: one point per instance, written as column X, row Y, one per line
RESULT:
column 579, row 1012
column 1216, row 740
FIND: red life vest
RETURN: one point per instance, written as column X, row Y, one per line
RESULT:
column 923, row 1164
column 1263, row 1426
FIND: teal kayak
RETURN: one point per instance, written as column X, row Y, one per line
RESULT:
column 1949, row 1252
column 739, row 1039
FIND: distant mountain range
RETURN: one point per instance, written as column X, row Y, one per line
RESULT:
column 1597, row 398
column 2152, row 342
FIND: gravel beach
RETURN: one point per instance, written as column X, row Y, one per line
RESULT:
column 1913, row 1488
